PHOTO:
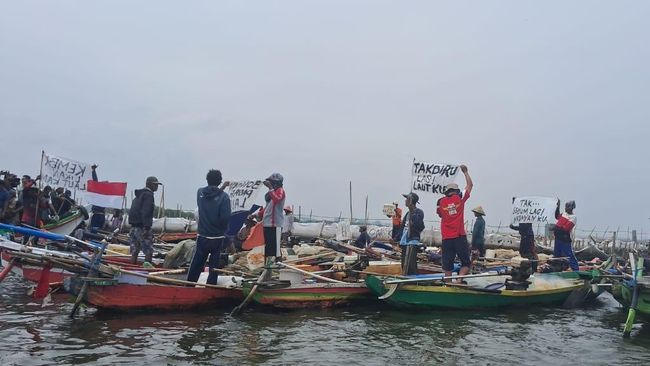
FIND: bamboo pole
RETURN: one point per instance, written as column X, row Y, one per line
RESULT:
column 169, row 281
column 308, row 273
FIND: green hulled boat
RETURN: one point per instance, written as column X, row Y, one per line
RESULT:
column 479, row 293
column 623, row 292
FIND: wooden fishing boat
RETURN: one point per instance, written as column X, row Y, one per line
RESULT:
column 315, row 295
column 545, row 289
column 67, row 224
column 38, row 269
column 111, row 295
column 622, row 291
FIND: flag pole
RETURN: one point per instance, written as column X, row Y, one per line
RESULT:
column 40, row 185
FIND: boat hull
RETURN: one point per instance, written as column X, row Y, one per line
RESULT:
column 452, row 297
column 33, row 273
column 66, row 225
column 129, row 297
column 623, row 294
column 321, row 295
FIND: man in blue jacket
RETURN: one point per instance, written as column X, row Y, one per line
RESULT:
column 141, row 219
column 214, row 214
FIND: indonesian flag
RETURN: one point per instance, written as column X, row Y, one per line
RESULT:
column 106, row 194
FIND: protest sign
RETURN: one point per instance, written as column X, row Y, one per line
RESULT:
column 389, row 209
column 62, row 172
column 243, row 194
column 533, row 210
column 432, row 177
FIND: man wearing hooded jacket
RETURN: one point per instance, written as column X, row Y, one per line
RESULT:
column 214, row 215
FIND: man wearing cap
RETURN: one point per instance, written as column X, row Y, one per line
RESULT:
column 478, row 232
column 214, row 215
column 397, row 222
column 273, row 219
column 411, row 228
column 140, row 219
column 451, row 209
column 565, row 233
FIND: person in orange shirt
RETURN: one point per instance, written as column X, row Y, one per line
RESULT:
column 397, row 223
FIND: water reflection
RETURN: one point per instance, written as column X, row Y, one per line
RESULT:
column 375, row 334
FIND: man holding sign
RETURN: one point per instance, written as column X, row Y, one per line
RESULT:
column 525, row 212
column 451, row 210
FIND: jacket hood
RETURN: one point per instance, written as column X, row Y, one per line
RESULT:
column 210, row 192
column 138, row 192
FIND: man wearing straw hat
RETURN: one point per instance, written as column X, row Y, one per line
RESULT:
column 451, row 210
column 478, row 232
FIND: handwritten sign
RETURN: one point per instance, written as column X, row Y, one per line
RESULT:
column 533, row 210
column 389, row 209
column 66, row 173
column 432, row 177
column 243, row 194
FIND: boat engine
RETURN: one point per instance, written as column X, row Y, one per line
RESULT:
column 519, row 276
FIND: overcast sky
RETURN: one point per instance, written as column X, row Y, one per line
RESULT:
column 543, row 98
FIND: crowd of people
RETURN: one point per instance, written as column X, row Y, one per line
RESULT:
column 23, row 203
column 450, row 208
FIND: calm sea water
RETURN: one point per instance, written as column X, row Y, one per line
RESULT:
column 35, row 334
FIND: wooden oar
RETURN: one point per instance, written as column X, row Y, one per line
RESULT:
column 309, row 273
column 637, row 269
column 169, row 281
column 248, row 298
column 304, row 259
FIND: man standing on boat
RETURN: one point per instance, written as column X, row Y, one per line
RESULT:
column 526, row 241
column 411, row 228
column 214, row 215
column 397, row 222
column 451, row 210
column 478, row 232
column 141, row 219
column 565, row 233
column 273, row 218
column 98, row 218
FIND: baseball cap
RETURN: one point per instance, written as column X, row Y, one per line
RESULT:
column 412, row 196
column 152, row 180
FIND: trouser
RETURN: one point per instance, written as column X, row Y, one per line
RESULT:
column 272, row 242
column 141, row 239
column 527, row 250
column 564, row 249
column 397, row 233
column 206, row 247
column 97, row 221
column 409, row 260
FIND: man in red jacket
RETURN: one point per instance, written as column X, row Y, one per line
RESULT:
column 451, row 210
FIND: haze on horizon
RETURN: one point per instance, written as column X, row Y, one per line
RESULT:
column 537, row 98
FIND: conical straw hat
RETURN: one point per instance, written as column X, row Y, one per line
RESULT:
column 479, row 210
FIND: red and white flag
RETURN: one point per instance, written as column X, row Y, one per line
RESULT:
column 106, row 194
